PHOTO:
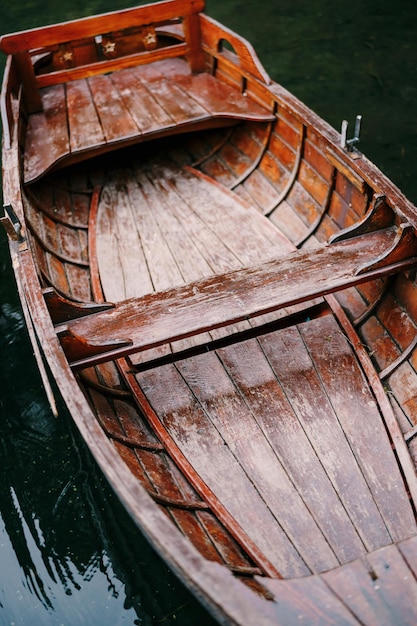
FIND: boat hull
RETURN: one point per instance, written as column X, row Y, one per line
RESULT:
column 224, row 297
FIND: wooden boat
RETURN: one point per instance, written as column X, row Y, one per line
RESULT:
column 223, row 289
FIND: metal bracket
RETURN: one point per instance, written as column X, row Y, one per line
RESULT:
column 11, row 223
column 349, row 144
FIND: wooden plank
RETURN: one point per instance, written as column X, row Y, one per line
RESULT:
column 148, row 115
column 159, row 257
column 97, row 25
column 303, row 386
column 225, row 299
column 182, row 202
column 257, row 383
column 207, row 93
column 308, row 601
column 222, row 209
column 123, row 273
column 362, row 424
column 199, row 440
column 84, row 125
column 110, row 65
column 115, row 119
column 215, row 391
column 378, row 589
column 47, row 139
column 408, row 549
column 176, row 102
column 189, row 260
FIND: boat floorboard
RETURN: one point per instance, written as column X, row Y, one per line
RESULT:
column 379, row 588
column 98, row 113
column 287, row 418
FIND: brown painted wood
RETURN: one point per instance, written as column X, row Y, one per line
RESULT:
column 267, row 398
column 379, row 588
column 95, row 25
column 222, row 300
column 214, row 462
column 88, row 115
column 252, row 434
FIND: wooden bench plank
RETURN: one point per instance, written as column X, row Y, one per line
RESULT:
column 47, row 139
column 147, row 113
column 115, row 119
column 84, row 124
column 139, row 104
column 224, row 299
column 163, row 88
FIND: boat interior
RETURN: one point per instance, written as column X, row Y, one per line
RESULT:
column 237, row 303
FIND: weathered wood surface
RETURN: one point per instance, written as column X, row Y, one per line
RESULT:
column 159, row 318
column 379, row 588
column 97, row 24
column 135, row 104
column 275, row 454
column 329, row 519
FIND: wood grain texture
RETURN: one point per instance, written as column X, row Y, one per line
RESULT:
column 228, row 298
column 248, row 432
column 130, row 105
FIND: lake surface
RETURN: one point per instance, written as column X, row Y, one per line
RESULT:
column 68, row 552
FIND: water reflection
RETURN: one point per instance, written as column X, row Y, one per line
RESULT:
column 68, row 552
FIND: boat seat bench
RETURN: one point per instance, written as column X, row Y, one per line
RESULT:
column 126, row 107
column 85, row 109
column 139, row 324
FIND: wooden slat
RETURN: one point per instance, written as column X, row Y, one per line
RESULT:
column 221, row 210
column 97, row 25
column 378, row 589
column 253, row 376
column 47, row 139
column 215, row 391
column 147, row 113
column 225, row 299
column 362, row 424
column 115, row 119
column 408, row 549
column 110, row 65
column 308, row 601
column 199, row 440
column 303, row 385
column 123, row 274
column 84, row 125
column 177, row 103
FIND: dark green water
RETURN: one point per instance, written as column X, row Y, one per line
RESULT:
column 68, row 553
